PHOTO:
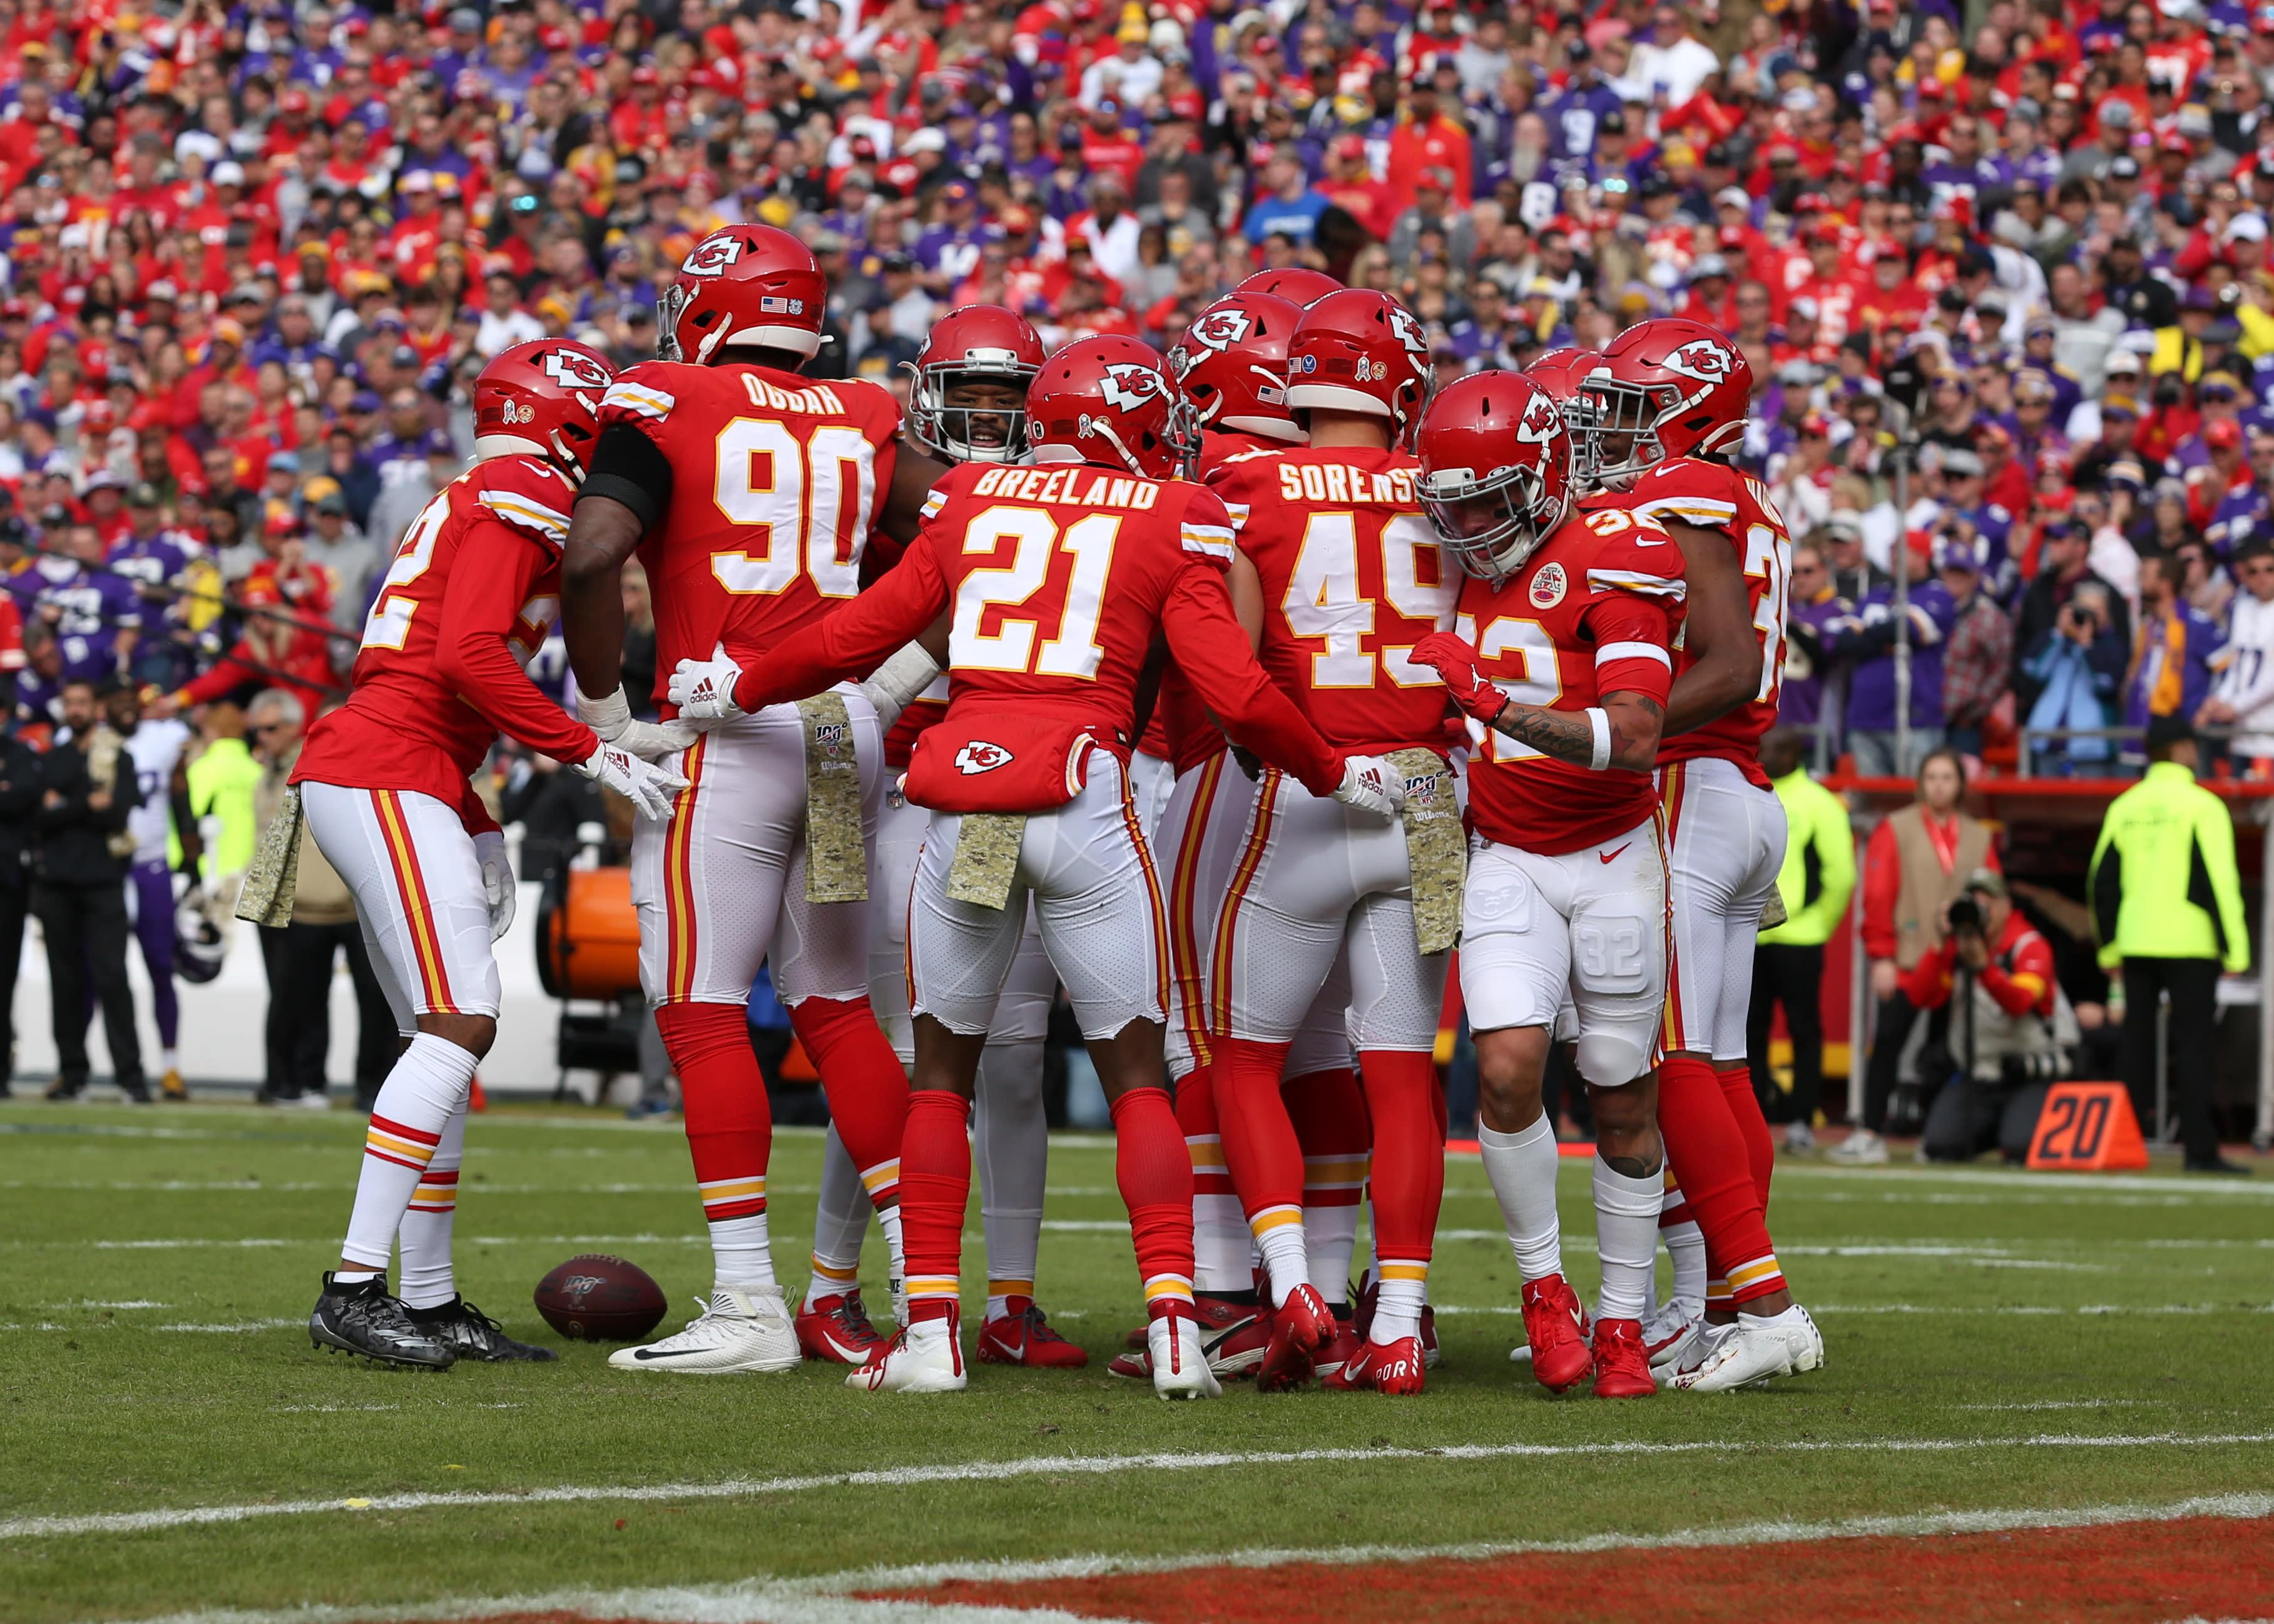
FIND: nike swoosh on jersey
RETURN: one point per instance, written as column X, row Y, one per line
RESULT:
column 1605, row 857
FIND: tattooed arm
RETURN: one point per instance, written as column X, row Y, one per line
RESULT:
column 1634, row 720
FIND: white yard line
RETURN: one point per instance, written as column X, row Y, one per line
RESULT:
column 834, row 1598
column 1046, row 1465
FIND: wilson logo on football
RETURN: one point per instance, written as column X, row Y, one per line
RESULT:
column 980, row 756
column 1703, row 359
column 1128, row 385
column 713, row 256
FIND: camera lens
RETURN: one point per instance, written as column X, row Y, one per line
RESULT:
column 1965, row 914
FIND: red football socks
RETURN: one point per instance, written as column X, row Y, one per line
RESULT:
column 730, row 1128
column 868, row 1091
column 935, row 1189
column 1745, row 1108
column 1409, row 1154
column 1156, row 1175
column 1707, row 1149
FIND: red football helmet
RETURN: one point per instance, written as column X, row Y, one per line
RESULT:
column 1108, row 400
column 743, row 286
column 1359, row 350
column 1564, row 373
column 543, row 398
column 1295, row 284
column 978, row 343
column 1670, row 387
column 1496, row 470
column 1231, row 365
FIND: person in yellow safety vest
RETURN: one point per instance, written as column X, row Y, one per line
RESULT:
column 1817, row 878
column 222, row 780
column 2167, row 908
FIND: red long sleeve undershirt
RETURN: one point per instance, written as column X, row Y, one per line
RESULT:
column 1204, row 636
column 1883, row 884
column 481, row 608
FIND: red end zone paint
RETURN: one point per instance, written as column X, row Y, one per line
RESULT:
column 1472, row 1147
column 2207, row 1567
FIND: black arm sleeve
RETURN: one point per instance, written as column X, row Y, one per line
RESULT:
column 630, row 469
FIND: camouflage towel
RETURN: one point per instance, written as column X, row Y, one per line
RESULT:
column 1772, row 914
column 836, row 866
column 1436, row 850
column 269, row 885
column 986, row 856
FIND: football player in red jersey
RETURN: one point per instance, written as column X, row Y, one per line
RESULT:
column 383, row 786
column 1057, row 578
column 1672, row 395
column 749, row 494
column 969, row 405
column 1561, row 661
column 1352, row 579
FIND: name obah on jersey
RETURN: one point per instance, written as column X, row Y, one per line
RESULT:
column 1352, row 579
column 1591, row 612
column 1715, row 497
column 775, row 487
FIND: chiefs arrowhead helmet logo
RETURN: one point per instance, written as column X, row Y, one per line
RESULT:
column 579, row 374
column 980, row 756
column 1220, row 330
column 1128, row 385
column 1703, row 359
column 712, row 256
column 1542, row 423
column 1402, row 323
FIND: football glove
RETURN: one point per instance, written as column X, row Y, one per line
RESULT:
column 1371, row 783
column 611, row 716
column 893, row 684
column 1456, row 661
column 499, row 888
column 704, row 690
column 646, row 786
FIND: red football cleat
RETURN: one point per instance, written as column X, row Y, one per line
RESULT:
column 1556, row 1327
column 1622, row 1360
column 1023, row 1337
column 1299, row 1331
column 1394, row 1368
column 1430, row 1356
column 1344, row 1347
column 837, row 1329
column 1362, row 1306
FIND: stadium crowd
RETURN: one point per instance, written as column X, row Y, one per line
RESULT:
column 2006, row 297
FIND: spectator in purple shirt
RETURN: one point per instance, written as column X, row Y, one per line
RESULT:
column 1867, row 637
column 96, row 616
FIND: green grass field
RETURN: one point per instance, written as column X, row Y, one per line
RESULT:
column 2064, row 1342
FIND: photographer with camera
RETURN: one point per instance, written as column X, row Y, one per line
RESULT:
column 2074, row 674
column 2005, row 1038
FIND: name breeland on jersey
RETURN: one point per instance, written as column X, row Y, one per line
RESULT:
column 1064, row 485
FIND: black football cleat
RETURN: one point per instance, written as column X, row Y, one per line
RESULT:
column 471, row 1334
column 363, row 1319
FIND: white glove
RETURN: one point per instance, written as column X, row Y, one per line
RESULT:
column 1371, row 784
column 498, row 884
column 646, row 786
column 610, row 716
column 704, row 690
column 892, row 685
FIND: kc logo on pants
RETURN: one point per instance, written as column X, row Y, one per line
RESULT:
column 979, row 757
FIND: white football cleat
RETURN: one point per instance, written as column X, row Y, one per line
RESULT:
column 736, row 1332
column 1861, row 1148
column 1179, row 1362
column 1755, row 1349
column 1667, row 1334
column 927, row 1356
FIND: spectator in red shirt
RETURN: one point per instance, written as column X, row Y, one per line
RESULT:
column 1429, row 139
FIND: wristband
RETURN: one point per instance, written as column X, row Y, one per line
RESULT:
column 1600, row 719
column 607, row 715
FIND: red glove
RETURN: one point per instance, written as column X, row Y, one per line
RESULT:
column 1456, row 661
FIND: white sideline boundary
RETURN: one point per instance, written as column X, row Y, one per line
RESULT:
column 828, row 1599
column 1052, row 1465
